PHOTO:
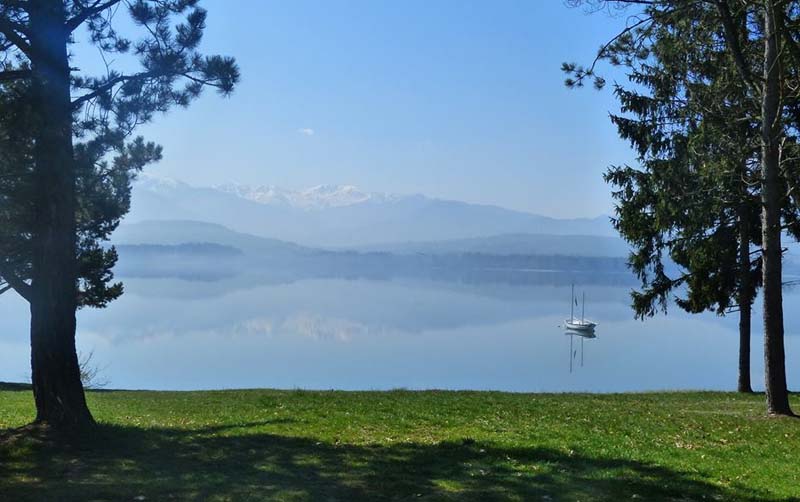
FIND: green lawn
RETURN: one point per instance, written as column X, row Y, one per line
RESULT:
column 350, row 446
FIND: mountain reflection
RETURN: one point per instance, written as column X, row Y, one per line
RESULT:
column 381, row 334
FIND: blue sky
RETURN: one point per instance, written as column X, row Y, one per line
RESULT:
column 453, row 99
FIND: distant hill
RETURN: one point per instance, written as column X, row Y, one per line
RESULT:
column 201, row 251
column 342, row 216
column 515, row 244
column 167, row 232
column 177, row 232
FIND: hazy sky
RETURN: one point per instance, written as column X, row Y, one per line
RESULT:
column 454, row 99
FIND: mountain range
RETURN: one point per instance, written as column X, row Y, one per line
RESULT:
column 179, row 232
column 317, row 197
column 342, row 216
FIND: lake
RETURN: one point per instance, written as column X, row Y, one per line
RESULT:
column 339, row 333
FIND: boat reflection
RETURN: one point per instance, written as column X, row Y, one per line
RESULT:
column 583, row 334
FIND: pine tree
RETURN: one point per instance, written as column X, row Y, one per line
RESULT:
column 67, row 161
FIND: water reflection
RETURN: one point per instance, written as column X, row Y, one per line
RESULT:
column 582, row 334
column 382, row 334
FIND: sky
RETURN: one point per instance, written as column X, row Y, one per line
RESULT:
column 453, row 99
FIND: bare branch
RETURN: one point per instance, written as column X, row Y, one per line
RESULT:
column 96, row 8
column 602, row 52
column 21, row 287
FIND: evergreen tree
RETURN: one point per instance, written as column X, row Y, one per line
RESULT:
column 690, row 200
column 714, row 140
column 66, row 163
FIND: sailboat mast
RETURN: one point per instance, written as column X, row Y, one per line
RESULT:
column 583, row 305
column 571, row 304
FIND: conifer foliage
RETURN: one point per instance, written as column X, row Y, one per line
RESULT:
column 68, row 156
column 710, row 109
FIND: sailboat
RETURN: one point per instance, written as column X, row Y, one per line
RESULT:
column 574, row 323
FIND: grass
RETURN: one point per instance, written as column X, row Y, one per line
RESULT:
column 352, row 446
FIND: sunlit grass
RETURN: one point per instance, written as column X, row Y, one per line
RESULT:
column 308, row 446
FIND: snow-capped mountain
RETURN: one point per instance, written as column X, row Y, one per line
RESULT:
column 264, row 194
column 317, row 197
column 341, row 215
column 152, row 183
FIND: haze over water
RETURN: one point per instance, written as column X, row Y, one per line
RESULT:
column 384, row 334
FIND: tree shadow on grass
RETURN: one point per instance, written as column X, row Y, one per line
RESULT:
column 13, row 387
column 243, row 463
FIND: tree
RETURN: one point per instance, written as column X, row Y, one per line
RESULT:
column 763, row 107
column 690, row 200
column 68, row 169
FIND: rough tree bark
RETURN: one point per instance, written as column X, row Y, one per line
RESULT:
column 57, row 387
column 774, row 354
column 745, row 301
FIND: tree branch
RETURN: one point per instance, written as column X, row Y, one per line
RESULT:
column 110, row 85
column 21, row 287
column 602, row 52
column 794, row 49
column 11, row 75
column 96, row 8
column 9, row 30
column 732, row 38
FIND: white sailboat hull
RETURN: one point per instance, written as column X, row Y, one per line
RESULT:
column 575, row 324
column 580, row 324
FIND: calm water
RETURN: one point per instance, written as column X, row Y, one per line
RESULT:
column 363, row 334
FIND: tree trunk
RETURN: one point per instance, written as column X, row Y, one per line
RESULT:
column 57, row 387
column 745, row 300
column 774, row 355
